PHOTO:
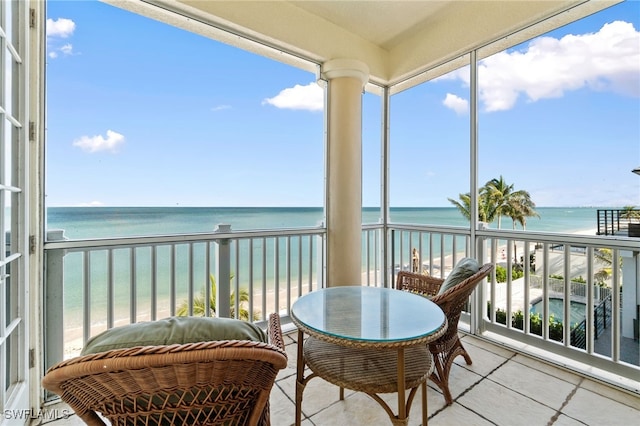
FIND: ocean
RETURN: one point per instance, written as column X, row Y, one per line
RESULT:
column 112, row 222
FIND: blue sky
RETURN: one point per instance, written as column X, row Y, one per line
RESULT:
column 143, row 114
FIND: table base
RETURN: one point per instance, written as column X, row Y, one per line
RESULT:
column 370, row 370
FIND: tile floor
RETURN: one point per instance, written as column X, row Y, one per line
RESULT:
column 499, row 388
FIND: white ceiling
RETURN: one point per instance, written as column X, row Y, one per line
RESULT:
column 383, row 23
column 398, row 40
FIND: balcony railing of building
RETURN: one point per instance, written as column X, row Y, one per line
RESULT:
column 619, row 222
column 555, row 289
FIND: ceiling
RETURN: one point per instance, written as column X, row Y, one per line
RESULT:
column 398, row 40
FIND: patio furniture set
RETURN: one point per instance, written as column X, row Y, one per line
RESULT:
column 218, row 371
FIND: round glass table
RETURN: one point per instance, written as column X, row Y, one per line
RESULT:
column 367, row 339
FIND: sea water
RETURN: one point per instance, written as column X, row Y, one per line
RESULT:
column 113, row 222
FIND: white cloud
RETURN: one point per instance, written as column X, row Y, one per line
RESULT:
column 67, row 49
column 309, row 97
column 220, row 108
column 100, row 143
column 456, row 103
column 608, row 60
column 61, row 27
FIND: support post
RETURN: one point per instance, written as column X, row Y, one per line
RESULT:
column 223, row 273
column 346, row 79
column 54, row 306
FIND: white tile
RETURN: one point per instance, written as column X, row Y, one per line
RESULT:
column 504, row 406
column 456, row 414
column 357, row 409
column 460, row 379
column 72, row 420
column 563, row 420
column 290, row 369
column 594, row 409
column 435, row 402
column 533, row 383
column 612, row 393
column 468, row 339
column 318, row 394
column 483, row 361
column 548, row 369
column 282, row 409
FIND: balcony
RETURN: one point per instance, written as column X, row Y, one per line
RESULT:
column 562, row 370
column 486, row 392
column 619, row 222
column 51, row 305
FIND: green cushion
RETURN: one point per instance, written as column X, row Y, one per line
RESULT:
column 174, row 330
column 463, row 270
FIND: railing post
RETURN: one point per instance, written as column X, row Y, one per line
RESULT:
column 630, row 291
column 478, row 298
column 223, row 273
column 54, row 302
column 392, row 258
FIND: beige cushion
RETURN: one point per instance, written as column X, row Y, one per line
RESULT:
column 173, row 330
column 466, row 267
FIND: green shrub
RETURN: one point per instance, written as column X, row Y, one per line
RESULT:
column 501, row 273
column 535, row 323
column 579, row 279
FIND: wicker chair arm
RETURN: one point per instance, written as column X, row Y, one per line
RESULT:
column 274, row 331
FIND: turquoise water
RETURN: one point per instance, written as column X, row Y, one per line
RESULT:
column 104, row 222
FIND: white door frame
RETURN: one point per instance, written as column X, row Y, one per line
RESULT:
column 15, row 320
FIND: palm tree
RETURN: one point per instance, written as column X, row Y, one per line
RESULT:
column 519, row 207
column 486, row 210
column 604, row 256
column 505, row 199
column 199, row 306
column 464, row 205
column 495, row 199
column 630, row 213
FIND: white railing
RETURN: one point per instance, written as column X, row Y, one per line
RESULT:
column 557, row 275
column 93, row 285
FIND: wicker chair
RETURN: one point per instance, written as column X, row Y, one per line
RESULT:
column 213, row 383
column 452, row 301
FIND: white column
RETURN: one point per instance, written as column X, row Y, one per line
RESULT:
column 346, row 79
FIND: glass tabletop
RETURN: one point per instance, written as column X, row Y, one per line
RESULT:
column 368, row 314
